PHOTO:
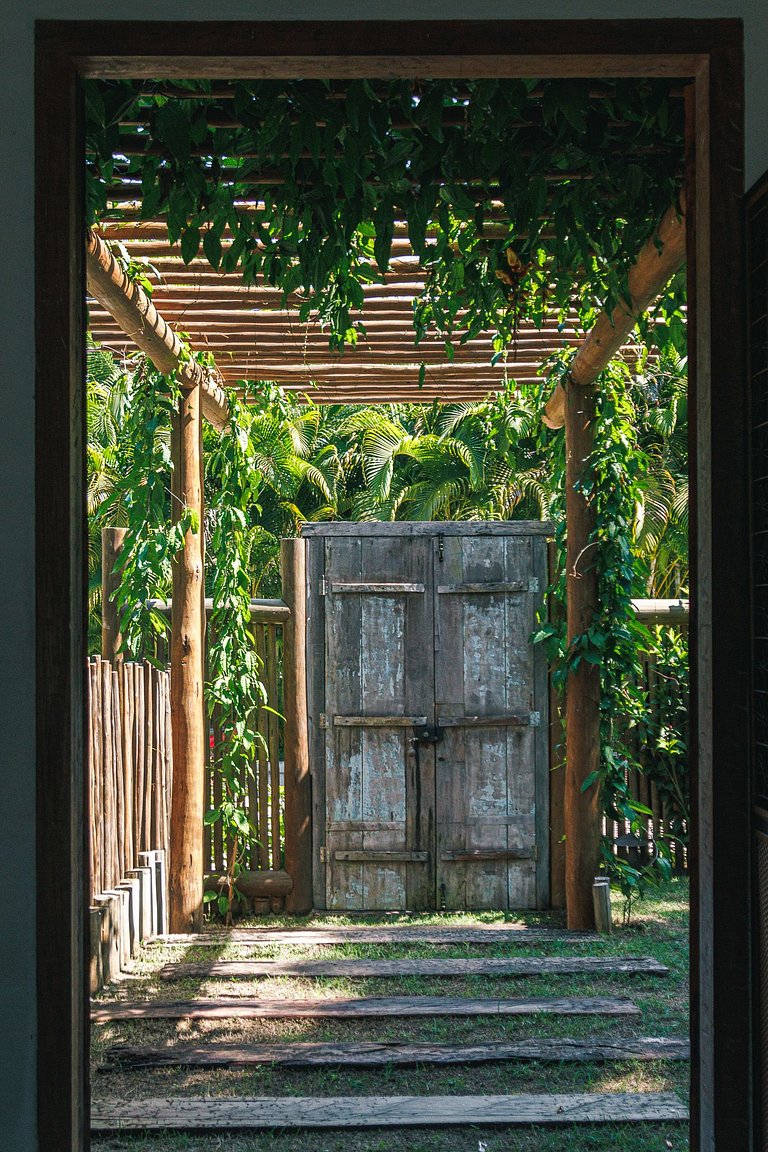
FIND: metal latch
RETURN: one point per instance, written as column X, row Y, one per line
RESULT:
column 429, row 734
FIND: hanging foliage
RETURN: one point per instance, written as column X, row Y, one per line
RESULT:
column 612, row 482
column 142, row 491
column 517, row 195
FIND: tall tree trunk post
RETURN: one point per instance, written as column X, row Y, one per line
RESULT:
column 111, row 639
column 298, row 795
column 582, row 707
column 185, row 874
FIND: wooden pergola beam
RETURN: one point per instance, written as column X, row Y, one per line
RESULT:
column 659, row 259
column 131, row 308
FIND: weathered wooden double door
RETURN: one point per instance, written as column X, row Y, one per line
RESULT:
column 428, row 715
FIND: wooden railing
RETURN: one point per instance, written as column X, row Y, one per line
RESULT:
column 129, row 750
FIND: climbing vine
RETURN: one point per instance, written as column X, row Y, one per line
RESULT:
column 517, row 195
column 234, row 685
column 152, row 540
column 615, row 640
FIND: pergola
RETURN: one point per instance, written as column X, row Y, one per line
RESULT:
column 254, row 335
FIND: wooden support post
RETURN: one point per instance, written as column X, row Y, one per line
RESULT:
column 298, row 794
column 185, row 882
column 111, row 640
column 582, row 697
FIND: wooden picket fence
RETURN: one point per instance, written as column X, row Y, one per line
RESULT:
column 263, row 783
column 129, row 748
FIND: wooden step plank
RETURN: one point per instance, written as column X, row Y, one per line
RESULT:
column 359, row 969
column 260, row 1112
column 479, row 934
column 370, row 1054
column 241, row 1007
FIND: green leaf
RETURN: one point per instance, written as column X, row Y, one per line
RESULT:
column 174, row 130
column 190, row 243
column 212, row 248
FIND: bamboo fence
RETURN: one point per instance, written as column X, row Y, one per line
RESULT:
column 129, row 748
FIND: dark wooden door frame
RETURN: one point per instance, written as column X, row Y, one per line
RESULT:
column 707, row 51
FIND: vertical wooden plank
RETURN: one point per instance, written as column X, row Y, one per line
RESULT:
column 543, row 733
column 149, row 744
column 530, row 826
column 169, row 763
column 450, row 753
column 97, row 776
column 343, row 696
column 94, row 773
column 273, row 742
column 420, row 756
column 141, row 767
column 128, row 774
column 110, row 816
column 382, row 692
column 298, row 784
column 263, row 823
column 316, row 707
column 157, row 727
column 556, row 761
column 117, row 753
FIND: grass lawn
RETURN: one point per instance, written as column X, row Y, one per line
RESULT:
column 659, row 929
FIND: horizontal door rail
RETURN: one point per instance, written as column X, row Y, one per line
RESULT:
column 378, row 588
column 488, row 588
column 479, row 855
column 381, row 856
column 514, row 720
column 378, row 722
column 365, row 826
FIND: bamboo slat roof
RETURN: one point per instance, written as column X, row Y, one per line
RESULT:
column 253, row 338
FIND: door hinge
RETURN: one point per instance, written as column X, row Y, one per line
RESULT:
column 322, row 721
column 323, row 854
column 533, row 584
column 534, row 719
column 535, row 852
column 323, row 586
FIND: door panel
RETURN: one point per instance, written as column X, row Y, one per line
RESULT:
column 485, row 603
column 379, row 687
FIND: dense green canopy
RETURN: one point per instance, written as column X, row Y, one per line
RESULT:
column 517, row 195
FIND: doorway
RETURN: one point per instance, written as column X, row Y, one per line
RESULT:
column 707, row 51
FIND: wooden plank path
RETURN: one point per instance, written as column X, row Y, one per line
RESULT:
column 259, row 1112
column 370, row 1054
column 412, row 934
column 359, row 969
column 241, row 1007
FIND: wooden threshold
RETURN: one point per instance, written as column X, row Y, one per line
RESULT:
column 248, row 1008
column 489, row 966
column 383, row 1111
column 306, row 1054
